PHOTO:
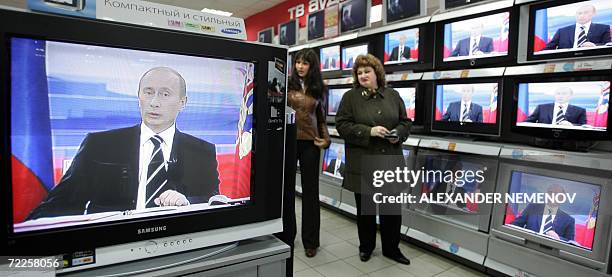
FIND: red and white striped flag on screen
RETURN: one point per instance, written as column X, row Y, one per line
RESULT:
column 493, row 105
column 601, row 115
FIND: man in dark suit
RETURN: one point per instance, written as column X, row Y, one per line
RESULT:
column 475, row 45
column 400, row 52
column 349, row 64
column 560, row 112
column 464, row 110
column 583, row 34
column 347, row 19
column 336, row 166
column 330, row 63
column 148, row 165
column 547, row 219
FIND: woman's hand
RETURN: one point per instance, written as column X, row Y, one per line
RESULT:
column 319, row 142
column 379, row 131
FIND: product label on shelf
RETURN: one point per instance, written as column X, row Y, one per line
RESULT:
column 147, row 14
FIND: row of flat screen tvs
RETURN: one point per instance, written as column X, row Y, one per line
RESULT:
column 581, row 227
column 559, row 107
column 77, row 112
column 555, row 30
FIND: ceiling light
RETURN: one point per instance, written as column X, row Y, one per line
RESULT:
column 217, row 12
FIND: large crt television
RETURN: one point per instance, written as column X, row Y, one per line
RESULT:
column 467, row 106
column 80, row 114
column 477, row 40
column 558, row 210
column 572, row 108
column 569, row 29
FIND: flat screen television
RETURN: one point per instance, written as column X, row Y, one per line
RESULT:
column 334, row 97
column 350, row 53
column 454, row 174
column 562, row 108
column 565, row 211
column 288, row 32
column 86, row 116
column 354, row 15
column 450, row 4
column 483, row 39
column 330, row 58
column 569, row 29
column 334, row 161
column 467, row 107
column 397, row 10
column 316, row 25
column 402, row 46
column 265, row 35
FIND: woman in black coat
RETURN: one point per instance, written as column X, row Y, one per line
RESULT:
column 372, row 121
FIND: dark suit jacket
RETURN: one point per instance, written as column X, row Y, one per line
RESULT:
column 544, row 114
column 531, row 218
column 564, row 37
column 332, row 165
column 327, row 65
column 349, row 64
column 104, row 172
column 453, row 112
column 395, row 52
column 463, row 46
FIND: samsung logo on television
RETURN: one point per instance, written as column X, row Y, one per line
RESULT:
column 151, row 230
column 231, row 31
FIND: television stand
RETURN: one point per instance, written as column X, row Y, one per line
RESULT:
column 261, row 256
column 569, row 145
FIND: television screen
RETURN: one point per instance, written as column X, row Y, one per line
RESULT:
column 402, row 46
column 480, row 37
column 408, row 94
column 353, row 15
column 400, row 9
column 350, row 53
column 334, row 161
column 572, row 221
column 104, row 134
column 330, row 58
column 316, row 25
column 335, row 95
column 564, row 105
column 467, row 103
column 581, row 26
column 266, row 35
column 287, row 33
column 457, row 3
column 453, row 180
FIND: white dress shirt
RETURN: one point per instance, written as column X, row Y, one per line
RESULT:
column 471, row 46
column 556, row 110
column 587, row 26
column 337, row 167
column 400, row 52
column 545, row 216
column 144, row 158
column 463, row 108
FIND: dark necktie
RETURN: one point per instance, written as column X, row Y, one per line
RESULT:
column 156, row 174
column 582, row 37
column 464, row 116
column 560, row 115
column 548, row 224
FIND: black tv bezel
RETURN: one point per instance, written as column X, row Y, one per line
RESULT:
column 297, row 30
column 367, row 8
column 507, row 60
column 552, row 133
column 351, row 45
column 405, row 16
column 478, row 129
column 531, row 56
column 446, row 6
column 343, row 86
column 419, row 107
column 266, row 188
column 322, row 11
column 331, row 72
column 425, row 60
column 265, row 30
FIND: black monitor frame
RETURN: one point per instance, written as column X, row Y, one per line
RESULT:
column 266, row 183
column 552, row 133
column 420, row 97
column 311, row 15
column 296, row 27
column 403, row 16
column 507, row 60
column 425, row 61
column 480, row 129
column 531, row 56
column 332, row 118
column 351, row 44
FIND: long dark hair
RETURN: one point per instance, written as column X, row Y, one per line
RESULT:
column 313, row 81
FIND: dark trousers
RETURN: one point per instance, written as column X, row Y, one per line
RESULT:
column 389, row 227
column 308, row 155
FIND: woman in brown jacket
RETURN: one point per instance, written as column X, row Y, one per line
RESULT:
column 306, row 96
